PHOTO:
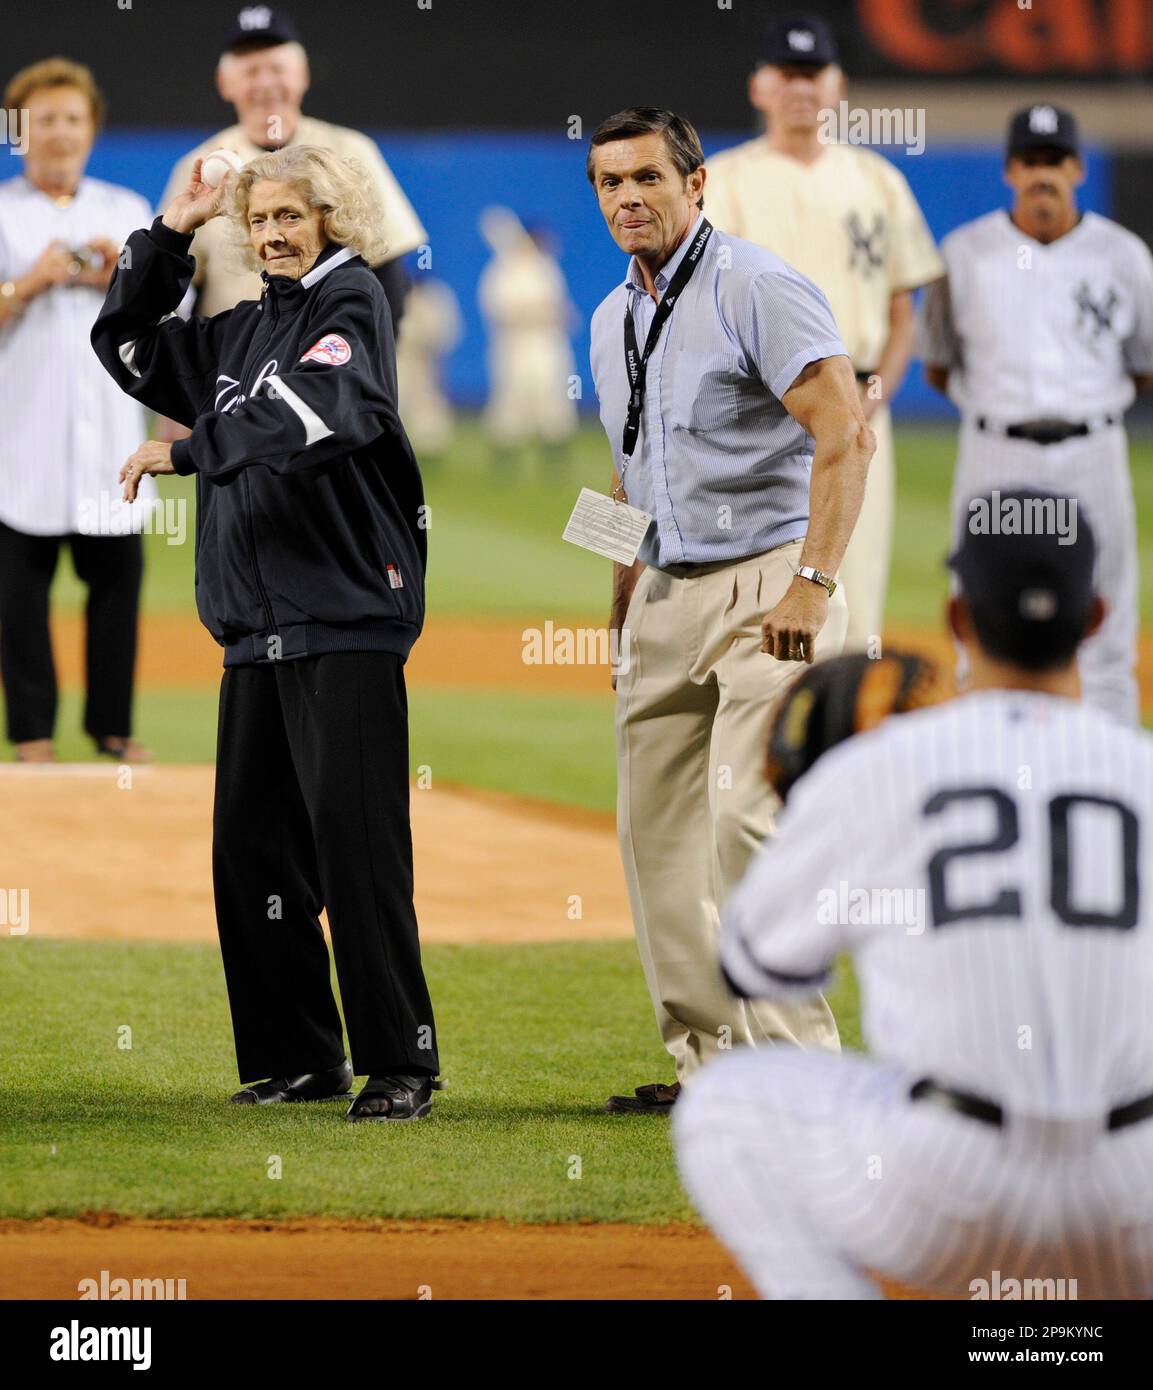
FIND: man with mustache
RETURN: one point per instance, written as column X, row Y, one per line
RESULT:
column 1042, row 334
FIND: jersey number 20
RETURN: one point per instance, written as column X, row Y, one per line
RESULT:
column 1007, row 903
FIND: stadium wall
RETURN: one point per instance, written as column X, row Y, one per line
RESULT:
column 451, row 175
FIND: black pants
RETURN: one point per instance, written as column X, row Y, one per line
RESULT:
column 112, row 567
column 311, row 812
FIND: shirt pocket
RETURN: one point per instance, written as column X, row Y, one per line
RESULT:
column 701, row 389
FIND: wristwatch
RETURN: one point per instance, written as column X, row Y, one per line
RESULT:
column 816, row 576
column 9, row 294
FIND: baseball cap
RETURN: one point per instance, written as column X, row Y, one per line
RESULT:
column 801, row 39
column 1025, row 565
column 1042, row 127
column 259, row 26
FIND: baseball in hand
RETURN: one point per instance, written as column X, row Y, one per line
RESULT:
column 216, row 166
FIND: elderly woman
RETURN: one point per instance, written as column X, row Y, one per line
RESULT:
column 310, row 554
column 66, row 428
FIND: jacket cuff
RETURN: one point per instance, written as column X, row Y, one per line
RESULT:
column 168, row 240
column 181, row 456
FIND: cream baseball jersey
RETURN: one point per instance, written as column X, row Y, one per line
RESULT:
column 221, row 276
column 849, row 222
column 988, row 863
column 1031, row 330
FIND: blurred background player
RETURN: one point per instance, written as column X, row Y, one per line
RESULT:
column 432, row 328
column 846, row 218
column 66, row 426
column 527, row 310
column 1042, row 335
column 263, row 73
column 1001, row 1127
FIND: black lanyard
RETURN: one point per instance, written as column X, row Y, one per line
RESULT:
column 637, row 362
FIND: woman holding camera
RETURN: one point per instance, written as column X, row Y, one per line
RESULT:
column 65, row 427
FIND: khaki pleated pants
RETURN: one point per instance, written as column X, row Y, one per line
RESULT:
column 693, row 709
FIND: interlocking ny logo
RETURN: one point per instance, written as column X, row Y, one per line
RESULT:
column 802, row 40
column 1096, row 317
column 1043, row 120
column 867, row 246
column 255, row 17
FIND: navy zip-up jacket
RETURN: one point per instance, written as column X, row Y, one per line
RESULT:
column 310, row 521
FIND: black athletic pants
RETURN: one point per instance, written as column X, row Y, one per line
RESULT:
column 112, row 567
column 312, row 811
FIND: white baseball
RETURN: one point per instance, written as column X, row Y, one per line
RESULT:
column 216, row 166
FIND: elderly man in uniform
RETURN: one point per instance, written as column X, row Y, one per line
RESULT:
column 735, row 423
column 846, row 218
column 263, row 72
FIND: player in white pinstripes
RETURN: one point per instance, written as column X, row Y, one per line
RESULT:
column 1041, row 334
column 1002, row 1123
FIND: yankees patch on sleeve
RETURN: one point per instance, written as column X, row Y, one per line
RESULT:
column 332, row 349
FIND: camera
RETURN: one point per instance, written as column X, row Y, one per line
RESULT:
column 84, row 258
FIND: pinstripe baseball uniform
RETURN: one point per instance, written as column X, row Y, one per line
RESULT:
column 67, row 429
column 1030, row 332
column 850, row 222
column 987, row 863
column 724, row 470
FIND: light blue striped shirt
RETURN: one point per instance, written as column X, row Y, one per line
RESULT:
column 721, row 465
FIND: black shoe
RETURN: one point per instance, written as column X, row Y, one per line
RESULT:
column 654, row 1099
column 312, row 1085
column 394, row 1098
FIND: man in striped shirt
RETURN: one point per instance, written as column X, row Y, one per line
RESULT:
column 987, row 863
column 739, row 430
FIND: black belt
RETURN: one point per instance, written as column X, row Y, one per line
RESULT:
column 1045, row 431
column 990, row 1113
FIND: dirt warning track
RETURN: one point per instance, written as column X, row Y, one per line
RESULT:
column 398, row 1260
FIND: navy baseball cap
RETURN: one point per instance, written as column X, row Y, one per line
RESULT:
column 258, row 26
column 804, row 39
column 1025, row 565
column 1042, row 126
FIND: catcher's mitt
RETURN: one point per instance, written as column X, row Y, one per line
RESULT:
column 841, row 697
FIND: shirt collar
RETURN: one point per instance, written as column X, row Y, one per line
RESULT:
column 634, row 280
column 332, row 256
column 39, row 192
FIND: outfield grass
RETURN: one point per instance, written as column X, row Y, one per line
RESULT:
column 496, row 553
column 534, row 1038
column 85, row 1125
column 495, row 547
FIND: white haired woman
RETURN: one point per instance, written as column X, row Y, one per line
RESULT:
column 310, row 555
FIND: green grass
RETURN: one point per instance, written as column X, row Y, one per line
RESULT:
column 554, row 747
column 496, row 553
column 533, row 1039
column 495, row 546
column 179, row 725
column 557, row 747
